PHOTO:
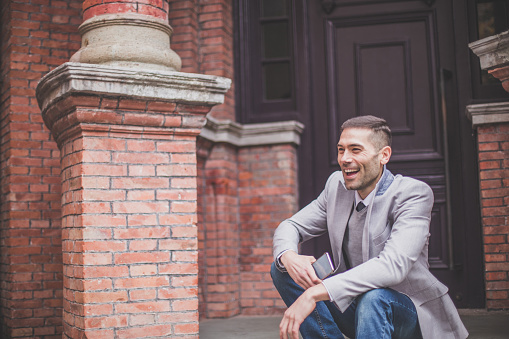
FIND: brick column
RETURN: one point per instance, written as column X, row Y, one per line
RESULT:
column 128, row 142
column 492, row 123
column 249, row 185
column 126, row 126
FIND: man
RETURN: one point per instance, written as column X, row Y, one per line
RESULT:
column 378, row 226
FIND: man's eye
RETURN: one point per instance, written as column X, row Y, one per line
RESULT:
column 356, row 150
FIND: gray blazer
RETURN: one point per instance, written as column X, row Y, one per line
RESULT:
column 394, row 248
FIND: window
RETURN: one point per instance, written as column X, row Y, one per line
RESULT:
column 491, row 18
column 276, row 50
column 267, row 80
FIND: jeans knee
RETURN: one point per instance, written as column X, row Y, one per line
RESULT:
column 375, row 294
column 373, row 299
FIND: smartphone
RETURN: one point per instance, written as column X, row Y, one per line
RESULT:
column 323, row 266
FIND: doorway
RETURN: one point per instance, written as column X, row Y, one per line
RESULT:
column 397, row 60
column 404, row 60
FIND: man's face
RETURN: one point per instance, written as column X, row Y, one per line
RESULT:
column 360, row 161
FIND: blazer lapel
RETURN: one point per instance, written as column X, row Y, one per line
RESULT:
column 365, row 232
column 381, row 186
column 367, row 222
column 343, row 207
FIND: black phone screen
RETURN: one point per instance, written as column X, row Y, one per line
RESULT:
column 323, row 266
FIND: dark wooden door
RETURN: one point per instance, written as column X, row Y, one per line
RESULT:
column 396, row 59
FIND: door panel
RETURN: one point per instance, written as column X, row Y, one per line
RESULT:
column 389, row 58
column 381, row 66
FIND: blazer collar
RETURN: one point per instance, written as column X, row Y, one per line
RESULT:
column 384, row 182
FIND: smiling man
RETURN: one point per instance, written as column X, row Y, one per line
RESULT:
column 378, row 225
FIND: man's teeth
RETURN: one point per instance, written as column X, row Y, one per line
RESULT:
column 350, row 170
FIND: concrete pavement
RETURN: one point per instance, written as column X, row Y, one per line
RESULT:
column 480, row 323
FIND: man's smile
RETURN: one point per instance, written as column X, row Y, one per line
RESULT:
column 350, row 173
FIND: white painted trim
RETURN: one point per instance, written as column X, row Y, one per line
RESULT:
column 239, row 135
column 490, row 113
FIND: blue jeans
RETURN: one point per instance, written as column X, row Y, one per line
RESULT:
column 379, row 313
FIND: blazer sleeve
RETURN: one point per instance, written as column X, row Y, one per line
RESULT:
column 411, row 217
column 309, row 222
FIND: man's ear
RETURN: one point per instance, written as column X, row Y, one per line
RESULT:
column 386, row 153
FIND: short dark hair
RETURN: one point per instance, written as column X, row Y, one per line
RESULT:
column 381, row 135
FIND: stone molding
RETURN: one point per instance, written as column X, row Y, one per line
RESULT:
column 188, row 88
column 246, row 135
column 492, row 51
column 490, row 113
column 179, row 95
column 127, row 40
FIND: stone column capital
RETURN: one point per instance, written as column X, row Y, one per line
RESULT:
column 75, row 93
column 493, row 51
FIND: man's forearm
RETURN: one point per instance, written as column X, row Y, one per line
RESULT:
column 318, row 293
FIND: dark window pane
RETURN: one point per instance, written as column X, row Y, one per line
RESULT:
column 492, row 19
column 273, row 8
column 275, row 40
column 276, row 78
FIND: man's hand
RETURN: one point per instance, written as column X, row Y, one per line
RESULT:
column 300, row 269
column 300, row 309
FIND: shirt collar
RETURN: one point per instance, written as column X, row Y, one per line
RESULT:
column 366, row 201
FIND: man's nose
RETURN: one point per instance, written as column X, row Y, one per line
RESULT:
column 345, row 157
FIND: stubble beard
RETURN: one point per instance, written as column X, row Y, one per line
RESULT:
column 369, row 176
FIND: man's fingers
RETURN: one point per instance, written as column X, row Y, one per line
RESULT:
column 282, row 329
column 293, row 329
column 301, row 280
column 310, row 279
column 305, row 282
column 289, row 328
column 315, row 279
column 295, row 333
column 305, row 277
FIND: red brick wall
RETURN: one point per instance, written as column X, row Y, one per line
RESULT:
column 216, row 49
column 183, row 17
column 219, row 233
column 44, row 35
column 237, row 211
column 243, row 195
column 268, row 193
column 36, row 37
column 203, row 38
column 157, row 9
column 494, row 175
